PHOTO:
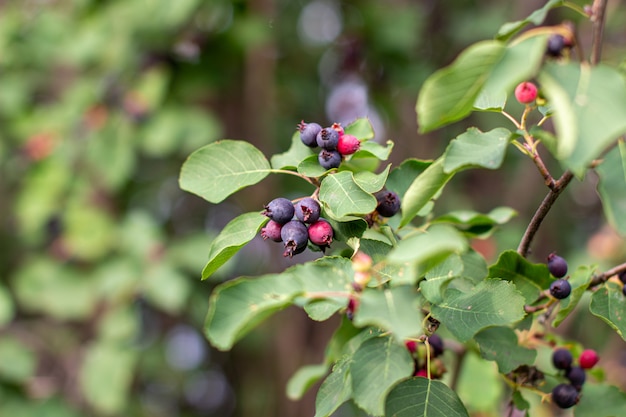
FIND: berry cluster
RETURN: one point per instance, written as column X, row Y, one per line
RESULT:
column 296, row 224
column 334, row 143
column 420, row 357
column 560, row 288
column 566, row 395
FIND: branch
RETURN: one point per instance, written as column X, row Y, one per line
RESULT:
column 603, row 277
column 597, row 17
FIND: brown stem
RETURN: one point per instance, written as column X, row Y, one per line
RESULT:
column 603, row 277
column 598, row 17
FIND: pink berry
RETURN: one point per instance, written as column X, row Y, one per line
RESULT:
column 526, row 92
column 588, row 359
column 422, row 372
column 321, row 233
column 348, row 144
column 338, row 128
column 411, row 345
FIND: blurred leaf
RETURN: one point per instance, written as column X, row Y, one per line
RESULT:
column 476, row 149
column 608, row 304
column 90, row 232
column 612, row 188
column 500, row 344
column 7, row 307
column 303, row 379
column 120, row 324
column 332, row 274
column 336, row 388
column 297, row 152
column 342, row 196
column 488, row 101
column 579, row 280
column 18, row 362
column 166, row 288
column 423, row 397
column 610, row 397
column 537, row 17
column 220, row 169
column 361, row 128
column 530, row 279
column 401, row 177
column 485, row 397
column 371, row 148
column 477, row 224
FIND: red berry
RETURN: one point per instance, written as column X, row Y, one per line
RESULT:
column 588, row 359
column 321, row 233
column 526, row 92
column 422, row 372
column 411, row 345
column 348, row 144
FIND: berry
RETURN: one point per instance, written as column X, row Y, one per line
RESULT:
column 353, row 304
column 294, row 235
column 576, row 376
column 337, row 127
column 622, row 277
column 562, row 359
column 588, row 358
column 280, row 210
column 388, row 203
column 555, row 46
column 328, row 138
column 436, row 345
column 307, row 210
column 348, row 144
column 321, row 233
column 329, row 159
column 421, row 373
column 565, row 395
column 557, row 265
column 308, row 133
column 624, row 290
column 272, row 231
column 526, row 92
column 560, row 289
column 411, row 345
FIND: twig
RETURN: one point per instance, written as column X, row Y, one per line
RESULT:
column 597, row 17
column 603, row 277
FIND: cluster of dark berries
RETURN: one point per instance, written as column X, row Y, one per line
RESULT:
column 622, row 278
column 557, row 266
column 334, row 143
column 567, row 395
column 420, row 356
column 296, row 224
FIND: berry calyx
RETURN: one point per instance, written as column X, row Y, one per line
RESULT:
column 329, row 159
column 588, row 359
column 576, row 376
column 526, row 92
column 328, row 138
column 557, row 265
column 338, row 128
column 562, row 359
column 321, row 233
column 280, row 210
column 294, row 235
column 307, row 210
column 308, row 133
column 272, row 231
column 565, row 395
column 388, row 203
column 348, row 144
column 560, row 289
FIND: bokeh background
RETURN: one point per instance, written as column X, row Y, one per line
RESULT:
column 101, row 305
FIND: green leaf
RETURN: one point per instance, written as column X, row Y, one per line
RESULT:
column 303, row 379
column 361, row 128
column 474, row 148
column 477, row 224
column 401, row 177
column 507, row 30
column 239, row 231
column 488, row 101
column 601, row 400
column 396, row 309
column 222, row 168
column 490, row 303
column 371, row 182
column 591, row 110
column 166, row 288
column 579, row 280
column 474, row 266
column 327, row 274
column 439, row 276
column 376, row 367
column 18, row 362
column 530, row 279
column 612, row 188
column 425, row 398
column 7, row 307
column 342, row 196
column 336, row 388
column 485, row 397
column 608, row 304
column 310, row 167
column 423, row 189
column 294, row 156
column 499, row 344
column 449, row 94
column 374, row 149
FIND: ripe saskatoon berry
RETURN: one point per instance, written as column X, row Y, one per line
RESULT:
column 555, row 46
column 562, row 359
column 565, row 395
column 576, row 376
column 294, row 235
column 588, row 358
column 388, row 203
column 307, row 210
column 308, row 133
column 348, row 144
column 328, row 138
column 272, row 231
column 624, row 290
column 329, row 159
column 526, row 92
column 280, row 210
column 557, row 265
column 622, row 277
column 436, row 345
column 321, row 233
column 560, row 288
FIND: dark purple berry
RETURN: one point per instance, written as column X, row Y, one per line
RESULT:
column 328, row 138
column 321, row 233
column 622, row 277
column 562, row 359
column 308, row 133
column 272, row 231
column 295, row 236
column 388, row 203
column 436, row 344
column 555, row 46
column 560, row 288
column 576, row 376
column 307, row 210
column 565, row 395
column 557, row 265
column 624, row 290
column 329, row 159
column 280, row 210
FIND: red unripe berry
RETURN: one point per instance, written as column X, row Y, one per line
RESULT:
column 411, row 345
column 338, row 128
column 526, row 92
column 321, row 233
column 422, row 372
column 588, row 358
column 348, row 144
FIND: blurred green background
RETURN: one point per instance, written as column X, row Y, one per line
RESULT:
column 101, row 305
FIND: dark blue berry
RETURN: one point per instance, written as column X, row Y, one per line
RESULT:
column 280, row 210
column 295, row 236
column 328, row 138
column 562, row 359
column 388, row 203
column 576, row 376
column 308, row 133
column 565, row 395
column 436, row 344
column 272, row 231
column 307, row 210
column 555, row 46
column 329, row 159
column 622, row 277
column 624, row 290
column 557, row 265
column 560, row 288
